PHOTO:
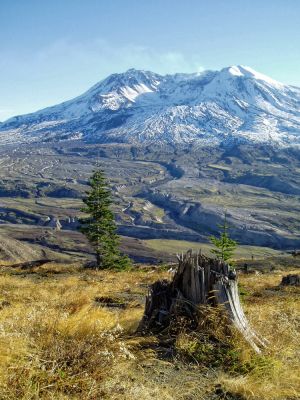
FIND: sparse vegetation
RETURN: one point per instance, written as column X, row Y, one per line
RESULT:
column 224, row 245
column 256, row 184
column 58, row 342
column 68, row 332
column 170, row 246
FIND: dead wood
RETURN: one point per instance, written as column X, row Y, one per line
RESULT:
column 198, row 281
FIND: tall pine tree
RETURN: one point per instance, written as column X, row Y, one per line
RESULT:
column 99, row 226
column 225, row 246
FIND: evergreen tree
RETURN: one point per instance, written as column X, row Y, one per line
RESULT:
column 99, row 226
column 225, row 246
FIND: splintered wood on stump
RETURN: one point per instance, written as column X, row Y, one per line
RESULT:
column 198, row 280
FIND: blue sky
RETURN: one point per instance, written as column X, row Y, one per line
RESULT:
column 51, row 51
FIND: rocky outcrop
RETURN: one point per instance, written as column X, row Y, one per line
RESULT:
column 291, row 280
column 272, row 183
column 202, row 218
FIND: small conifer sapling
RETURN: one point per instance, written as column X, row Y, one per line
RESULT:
column 99, row 225
column 224, row 245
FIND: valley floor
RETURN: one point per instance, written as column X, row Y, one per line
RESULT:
column 158, row 193
column 68, row 333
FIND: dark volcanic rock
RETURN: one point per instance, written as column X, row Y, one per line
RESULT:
column 291, row 280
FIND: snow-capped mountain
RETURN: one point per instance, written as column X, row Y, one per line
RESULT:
column 236, row 104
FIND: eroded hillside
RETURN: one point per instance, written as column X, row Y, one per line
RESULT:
column 160, row 192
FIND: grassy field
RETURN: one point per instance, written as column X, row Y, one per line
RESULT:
column 58, row 341
column 177, row 246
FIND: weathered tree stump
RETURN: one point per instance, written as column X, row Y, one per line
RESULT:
column 198, row 281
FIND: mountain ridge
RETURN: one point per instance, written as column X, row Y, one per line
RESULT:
column 235, row 104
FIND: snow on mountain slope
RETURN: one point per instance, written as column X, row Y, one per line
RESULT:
column 232, row 105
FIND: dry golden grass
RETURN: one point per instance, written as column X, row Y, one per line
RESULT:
column 275, row 313
column 57, row 342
